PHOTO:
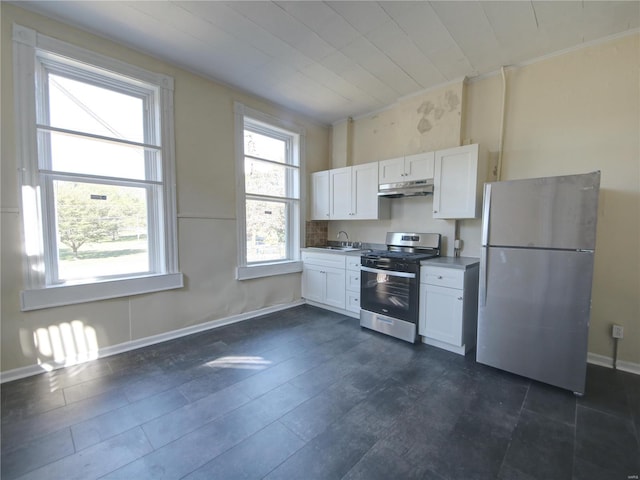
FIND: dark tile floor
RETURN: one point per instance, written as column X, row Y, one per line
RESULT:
column 305, row 394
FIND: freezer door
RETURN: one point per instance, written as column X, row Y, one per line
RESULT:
column 552, row 212
column 533, row 315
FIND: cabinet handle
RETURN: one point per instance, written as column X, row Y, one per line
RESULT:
column 357, row 278
column 439, row 277
column 435, row 211
column 459, row 298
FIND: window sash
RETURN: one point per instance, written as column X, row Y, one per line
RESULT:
column 154, row 225
column 291, row 180
column 51, row 63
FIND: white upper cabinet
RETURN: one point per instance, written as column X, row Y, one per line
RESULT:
column 403, row 169
column 320, row 196
column 391, row 171
column 364, row 191
column 458, row 179
column 353, row 193
column 340, row 194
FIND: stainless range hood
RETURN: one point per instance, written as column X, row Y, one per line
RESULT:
column 414, row 188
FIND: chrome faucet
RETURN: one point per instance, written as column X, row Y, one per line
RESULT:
column 346, row 235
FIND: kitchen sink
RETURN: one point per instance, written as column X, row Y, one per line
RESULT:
column 339, row 248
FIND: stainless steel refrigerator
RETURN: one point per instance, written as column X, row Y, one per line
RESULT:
column 536, row 269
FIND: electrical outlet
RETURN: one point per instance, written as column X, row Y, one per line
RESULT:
column 617, row 331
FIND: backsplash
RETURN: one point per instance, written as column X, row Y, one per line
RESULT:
column 316, row 233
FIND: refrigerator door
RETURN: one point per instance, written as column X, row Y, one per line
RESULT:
column 533, row 315
column 552, row 212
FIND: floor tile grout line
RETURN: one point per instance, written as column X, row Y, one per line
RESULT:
column 626, row 418
column 506, row 451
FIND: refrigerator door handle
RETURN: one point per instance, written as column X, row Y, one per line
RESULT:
column 482, row 288
column 486, row 210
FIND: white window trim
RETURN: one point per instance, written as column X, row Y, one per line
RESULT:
column 293, row 265
column 37, row 293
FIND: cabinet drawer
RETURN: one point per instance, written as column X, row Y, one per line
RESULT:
column 353, row 301
column 324, row 259
column 353, row 280
column 442, row 276
column 353, row 263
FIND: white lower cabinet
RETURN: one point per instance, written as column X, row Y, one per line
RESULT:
column 449, row 307
column 324, row 285
column 323, row 278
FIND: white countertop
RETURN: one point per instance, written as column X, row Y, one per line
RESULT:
column 461, row 263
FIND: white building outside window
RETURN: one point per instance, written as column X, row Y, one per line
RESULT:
column 96, row 151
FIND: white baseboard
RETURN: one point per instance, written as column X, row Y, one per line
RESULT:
column 445, row 346
column 30, row 370
column 333, row 309
column 605, row 361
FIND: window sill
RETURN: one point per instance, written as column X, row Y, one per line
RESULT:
column 70, row 294
column 268, row 270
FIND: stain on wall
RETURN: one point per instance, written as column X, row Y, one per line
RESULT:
column 449, row 103
column 422, row 123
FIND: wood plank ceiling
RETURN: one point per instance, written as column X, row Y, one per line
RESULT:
column 331, row 60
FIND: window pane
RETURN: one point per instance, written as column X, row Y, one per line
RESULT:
column 101, row 230
column 70, row 153
column 261, row 146
column 79, row 106
column 264, row 178
column 266, row 231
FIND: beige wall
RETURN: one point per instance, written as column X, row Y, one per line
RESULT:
column 573, row 113
column 421, row 123
column 206, row 209
column 577, row 113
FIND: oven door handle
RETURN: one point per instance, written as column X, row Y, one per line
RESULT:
column 389, row 272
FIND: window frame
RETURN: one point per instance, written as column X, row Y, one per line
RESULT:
column 34, row 53
column 294, row 135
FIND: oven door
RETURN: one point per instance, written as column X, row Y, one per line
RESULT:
column 390, row 293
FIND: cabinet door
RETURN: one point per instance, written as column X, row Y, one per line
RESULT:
column 391, row 171
column 313, row 283
column 353, row 280
column 353, row 301
column 320, row 195
column 334, row 287
column 455, row 181
column 443, row 316
column 340, row 194
column 419, row 166
column 364, row 191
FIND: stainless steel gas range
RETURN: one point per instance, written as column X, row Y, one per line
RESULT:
column 389, row 283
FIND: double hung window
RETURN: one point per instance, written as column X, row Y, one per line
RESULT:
column 269, row 204
column 97, row 186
